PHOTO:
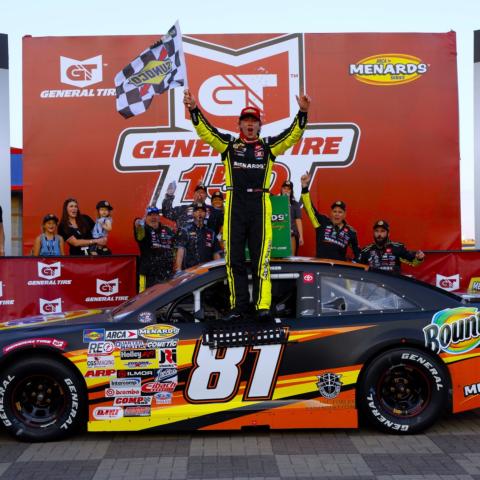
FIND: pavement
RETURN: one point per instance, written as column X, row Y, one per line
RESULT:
column 448, row 451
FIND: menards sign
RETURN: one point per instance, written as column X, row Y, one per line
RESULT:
column 268, row 75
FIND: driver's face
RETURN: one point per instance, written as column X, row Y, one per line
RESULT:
column 380, row 235
column 337, row 216
column 250, row 127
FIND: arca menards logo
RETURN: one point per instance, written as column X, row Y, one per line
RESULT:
column 267, row 75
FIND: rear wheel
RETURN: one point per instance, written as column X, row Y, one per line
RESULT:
column 40, row 399
column 403, row 391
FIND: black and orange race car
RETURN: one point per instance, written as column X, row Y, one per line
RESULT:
column 346, row 343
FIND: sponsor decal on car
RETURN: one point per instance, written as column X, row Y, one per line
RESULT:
column 102, row 361
column 308, row 277
column 137, row 411
column 107, row 372
column 145, row 344
column 107, row 413
column 167, row 357
column 93, row 335
column 100, row 348
column 137, row 354
column 154, row 387
column 136, row 373
column 159, row 332
column 165, row 374
column 125, row 382
column 123, row 391
column 453, row 330
column 329, row 385
column 145, row 317
column 473, row 389
column 37, row 342
column 141, row 364
column 162, row 398
column 120, row 334
column 132, row 401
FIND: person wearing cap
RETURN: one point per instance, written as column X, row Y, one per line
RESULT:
column 296, row 227
column 386, row 255
column 48, row 243
column 182, row 215
column 248, row 161
column 102, row 227
column 156, row 243
column 76, row 229
column 334, row 235
column 196, row 242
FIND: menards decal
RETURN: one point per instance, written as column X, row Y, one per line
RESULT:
column 267, row 75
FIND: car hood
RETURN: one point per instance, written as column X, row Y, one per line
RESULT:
column 77, row 317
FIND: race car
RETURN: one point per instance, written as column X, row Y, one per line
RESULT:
column 345, row 343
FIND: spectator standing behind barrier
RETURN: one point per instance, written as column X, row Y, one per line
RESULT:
column 49, row 244
column 76, row 229
column 102, row 227
column 2, row 235
column 196, row 242
column 183, row 214
column 296, row 227
column 156, row 243
column 385, row 254
column 333, row 233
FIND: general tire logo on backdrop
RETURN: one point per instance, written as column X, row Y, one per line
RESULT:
column 267, row 75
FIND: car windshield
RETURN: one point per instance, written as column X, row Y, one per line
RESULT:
column 147, row 295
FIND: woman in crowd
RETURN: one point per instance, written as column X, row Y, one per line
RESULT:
column 76, row 229
column 49, row 244
column 296, row 227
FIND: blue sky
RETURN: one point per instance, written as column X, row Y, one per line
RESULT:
column 110, row 17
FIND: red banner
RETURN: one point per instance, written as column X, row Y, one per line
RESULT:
column 32, row 286
column 457, row 272
column 383, row 127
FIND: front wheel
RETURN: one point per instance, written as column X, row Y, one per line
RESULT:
column 403, row 391
column 40, row 399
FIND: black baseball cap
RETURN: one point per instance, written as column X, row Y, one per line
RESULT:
column 217, row 194
column 48, row 217
column 287, row 183
column 199, row 206
column 104, row 204
column 201, row 186
column 339, row 204
column 381, row 224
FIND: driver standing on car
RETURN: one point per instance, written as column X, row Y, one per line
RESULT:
column 248, row 161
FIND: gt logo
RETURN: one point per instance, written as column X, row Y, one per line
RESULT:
column 107, row 287
column 49, row 271
column 226, row 95
column 81, row 73
column 50, row 306
column 216, row 378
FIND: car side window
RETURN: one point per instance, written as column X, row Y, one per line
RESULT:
column 347, row 295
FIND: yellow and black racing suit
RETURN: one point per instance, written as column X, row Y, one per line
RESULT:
column 248, row 211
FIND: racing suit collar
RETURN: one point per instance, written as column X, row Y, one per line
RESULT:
column 244, row 139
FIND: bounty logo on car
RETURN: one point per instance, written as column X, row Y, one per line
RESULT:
column 453, row 330
column 159, row 332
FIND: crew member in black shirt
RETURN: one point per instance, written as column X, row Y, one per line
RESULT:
column 385, row 254
column 196, row 242
column 156, row 243
column 334, row 234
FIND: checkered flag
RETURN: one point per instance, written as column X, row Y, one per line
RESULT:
column 156, row 69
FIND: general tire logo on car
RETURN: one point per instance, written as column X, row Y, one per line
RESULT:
column 267, row 75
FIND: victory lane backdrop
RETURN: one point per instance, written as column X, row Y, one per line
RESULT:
column 382, row 137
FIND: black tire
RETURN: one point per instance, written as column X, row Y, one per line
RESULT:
column 403, row 391
column 41, row 399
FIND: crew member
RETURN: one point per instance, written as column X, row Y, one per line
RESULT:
column 183, row 214
column 334, row 234
column 296, row 226
column 196, row 242
column 385, row 254
column 248, row 162
column 156, row 243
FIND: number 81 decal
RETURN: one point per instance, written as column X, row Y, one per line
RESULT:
column 217, row 374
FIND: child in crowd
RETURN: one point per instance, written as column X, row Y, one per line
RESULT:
column 49, row 244
column 103, row 225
